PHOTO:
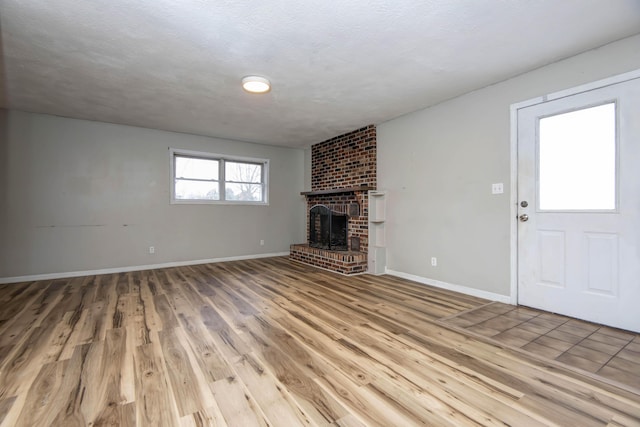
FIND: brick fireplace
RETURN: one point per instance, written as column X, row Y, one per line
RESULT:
column 343, row 170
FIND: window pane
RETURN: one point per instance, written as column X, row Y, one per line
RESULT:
column 577, row 160
column 243, row 172
column 197, row 190
column 246, row 192
column 194, row 168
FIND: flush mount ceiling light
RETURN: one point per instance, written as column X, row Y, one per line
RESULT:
column 256, row 84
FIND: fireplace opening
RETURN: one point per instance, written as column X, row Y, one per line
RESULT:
column 328, row 229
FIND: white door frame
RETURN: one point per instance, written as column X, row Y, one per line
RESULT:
column 514, row 159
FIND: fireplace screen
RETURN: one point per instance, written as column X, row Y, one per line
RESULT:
column 327, row 229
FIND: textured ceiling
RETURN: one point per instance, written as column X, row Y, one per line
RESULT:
column 334, row 65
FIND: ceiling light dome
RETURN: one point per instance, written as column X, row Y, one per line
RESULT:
column 256, row 84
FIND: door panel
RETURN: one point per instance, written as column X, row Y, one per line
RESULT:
column 579, row 232
column 602, row 263
column 552, row 257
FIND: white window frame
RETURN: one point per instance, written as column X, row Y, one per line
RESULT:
column 221, row 158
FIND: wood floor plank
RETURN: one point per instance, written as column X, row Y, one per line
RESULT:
column 123, row 286
column 349, row 421
column 19, row 323
column 276, row 403
column 43, row 401
column 151, row 320
column 211, row 417
column 56, row 394
column 5, row 407
column 99, row 404
column 40, row 346
column 71, row 391
column 422, row 409
column 12, row 291
column 234, row 313
column 91, row 327
column 271, row 342
column 363, row 403
column 167, row 317
column 119, row 299
column 18, row 330
column 347, row 358
column 294, row 367
column 156, row 406
column 187, row 390
column 231, row 344
column 209, row 358
column 18, row 301
column 136, row 319
column 236, row 405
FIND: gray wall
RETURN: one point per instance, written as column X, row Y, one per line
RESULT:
column 438, row 164
column 80, row 195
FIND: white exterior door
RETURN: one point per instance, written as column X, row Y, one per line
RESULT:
column 579, row 205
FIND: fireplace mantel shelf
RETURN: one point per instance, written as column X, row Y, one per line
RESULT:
column 337, row 191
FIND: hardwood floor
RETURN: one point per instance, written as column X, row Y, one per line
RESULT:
column 272, row 343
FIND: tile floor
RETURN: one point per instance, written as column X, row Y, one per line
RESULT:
column 611, row 353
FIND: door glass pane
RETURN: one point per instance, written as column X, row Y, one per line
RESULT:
column 577, row 160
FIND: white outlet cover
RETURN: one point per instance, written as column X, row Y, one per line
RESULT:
column 497, row 188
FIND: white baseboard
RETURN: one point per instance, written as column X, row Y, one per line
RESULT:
column 50, row 276
column 451, row 287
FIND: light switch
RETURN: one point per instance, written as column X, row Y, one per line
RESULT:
column 497, row 188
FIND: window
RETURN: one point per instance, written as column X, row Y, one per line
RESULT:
column 210, row 178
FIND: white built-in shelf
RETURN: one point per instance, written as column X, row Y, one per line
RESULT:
column 377, row 209
column 377, row 239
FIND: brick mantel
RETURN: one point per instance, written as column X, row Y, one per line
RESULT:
column 337, row 191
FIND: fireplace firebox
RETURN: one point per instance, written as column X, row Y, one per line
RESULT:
column 328, row 229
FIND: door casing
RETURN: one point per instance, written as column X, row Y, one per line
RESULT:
column 513, row 200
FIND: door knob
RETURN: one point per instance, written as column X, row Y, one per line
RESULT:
column 524, row 217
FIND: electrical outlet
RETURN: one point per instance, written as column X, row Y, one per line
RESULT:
column 497, row 188
column 261, row 242
column 152, row 249
column 434, row 261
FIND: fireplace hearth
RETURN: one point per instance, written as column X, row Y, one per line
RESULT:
column 336, row 225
